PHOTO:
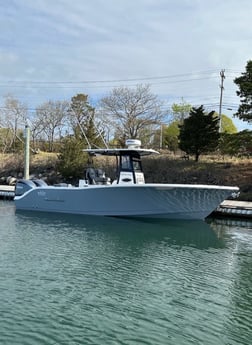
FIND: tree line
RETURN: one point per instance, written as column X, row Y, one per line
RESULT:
column 65, row 126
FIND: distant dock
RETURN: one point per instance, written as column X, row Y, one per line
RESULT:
column 7, row 192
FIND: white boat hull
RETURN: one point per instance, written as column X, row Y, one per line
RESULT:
column 146, row 200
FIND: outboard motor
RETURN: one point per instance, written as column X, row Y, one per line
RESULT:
column 40, row 183
column 23, row 186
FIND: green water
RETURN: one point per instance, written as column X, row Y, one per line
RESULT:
column 88, row 280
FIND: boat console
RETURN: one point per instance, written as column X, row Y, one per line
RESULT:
column 96, row 176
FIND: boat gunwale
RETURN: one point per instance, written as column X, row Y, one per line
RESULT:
column 159, row 186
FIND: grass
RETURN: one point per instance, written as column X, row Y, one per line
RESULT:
column 229, row 172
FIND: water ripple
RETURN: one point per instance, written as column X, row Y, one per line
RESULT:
column 77, row 280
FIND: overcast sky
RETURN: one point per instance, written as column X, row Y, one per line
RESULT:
column 52, row 50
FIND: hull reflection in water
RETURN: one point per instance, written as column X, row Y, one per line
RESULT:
column 194, row 233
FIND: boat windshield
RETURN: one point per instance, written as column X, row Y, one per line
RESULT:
column 136, row 164
column 129, row 163
column 126, row 163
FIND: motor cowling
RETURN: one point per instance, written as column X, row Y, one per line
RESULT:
column 40, row 183
column 23, row 186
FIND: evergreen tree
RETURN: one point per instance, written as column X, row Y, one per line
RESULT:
column 82, row 121
column 199, row 133
column 237, row 144
column 72, row 159
column 245, row 93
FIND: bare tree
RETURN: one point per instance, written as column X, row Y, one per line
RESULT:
column 132, row 112
column 50, row 117
column 13, row 116
column 37, row 128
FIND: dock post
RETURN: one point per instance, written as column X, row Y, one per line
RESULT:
column 27, row 153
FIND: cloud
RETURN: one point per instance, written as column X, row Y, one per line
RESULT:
column 119, row 40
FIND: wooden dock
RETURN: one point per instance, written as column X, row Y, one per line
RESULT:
column 234, row 208
column 7, row 192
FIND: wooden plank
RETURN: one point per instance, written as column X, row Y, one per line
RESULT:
column 237, row 204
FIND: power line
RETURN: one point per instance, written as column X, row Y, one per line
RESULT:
column 104, row 86
column 183, row 78
column 111, row 80
column 20, row 83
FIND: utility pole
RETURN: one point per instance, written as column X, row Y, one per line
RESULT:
column 222, row 75
column 161, row 136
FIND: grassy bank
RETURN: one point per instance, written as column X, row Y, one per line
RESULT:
column 162, row 168
column 219, row 172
